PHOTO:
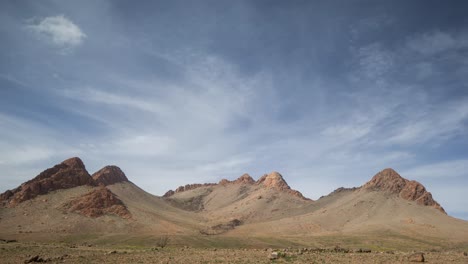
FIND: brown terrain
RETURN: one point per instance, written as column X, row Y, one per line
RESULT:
column 66, row 215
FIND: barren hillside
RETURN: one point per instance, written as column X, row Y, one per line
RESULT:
column 65, row 202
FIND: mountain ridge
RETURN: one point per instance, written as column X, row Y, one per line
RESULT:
column 72, row 173
column 273, row 180
column 108, row 203
column 67, row 174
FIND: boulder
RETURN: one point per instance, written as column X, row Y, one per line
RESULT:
column 416, row 257
column 273, row 255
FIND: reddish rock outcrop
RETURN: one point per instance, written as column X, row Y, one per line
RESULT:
column 187, row 187
column 109, row 175
column 68, row 174
column 169, row 193
column 244, row 179
column 98, row 202
column 390, row 181
column 224, row 182
column 275, row 180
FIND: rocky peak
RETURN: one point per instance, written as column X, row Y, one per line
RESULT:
column 68, row 174
column 274, row 180
column 390, row 181
column 74, row 162
column 245, row 179
column 386, row 180
column 109, row 175
column 224, row 182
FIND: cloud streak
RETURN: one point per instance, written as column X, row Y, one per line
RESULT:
column 173, row 98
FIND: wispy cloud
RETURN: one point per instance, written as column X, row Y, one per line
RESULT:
column 173, row 101
column 434, row 123
column 57, row 30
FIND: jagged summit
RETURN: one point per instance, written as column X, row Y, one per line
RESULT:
column 244, row 179
column 74, row 162
column 388, row 180
column 274, row 180
column 109, row 175
column 68, row 174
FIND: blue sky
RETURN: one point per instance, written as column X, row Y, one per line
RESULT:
column 326, row 92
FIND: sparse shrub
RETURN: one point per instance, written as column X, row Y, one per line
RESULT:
column 163, row 241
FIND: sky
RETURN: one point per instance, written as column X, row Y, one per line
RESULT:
column 328, row 93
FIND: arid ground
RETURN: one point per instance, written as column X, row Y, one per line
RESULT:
column 88, row 253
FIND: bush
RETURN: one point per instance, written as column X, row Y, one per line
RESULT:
column 163, row 241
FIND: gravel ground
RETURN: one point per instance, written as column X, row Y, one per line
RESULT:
column 53, row 253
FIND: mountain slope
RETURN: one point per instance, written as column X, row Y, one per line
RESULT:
column 387, row 204
column 244, row 199
column 66, row 201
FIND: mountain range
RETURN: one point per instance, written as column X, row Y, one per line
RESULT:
column 66, row 203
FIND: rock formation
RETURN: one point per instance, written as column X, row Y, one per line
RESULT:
column 187, row 187
column 390, row 181
column 169, row 193
column 109, row 175
column 273, row 180
column 97, row 203
column 68, row 174
column 244, row 179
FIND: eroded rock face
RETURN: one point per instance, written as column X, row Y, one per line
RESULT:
column 275, row 180
column 109, row 175
column 98, row 202
column 244, row 179
column 169, row 193
column 390, row 181
column 192, row 186
column 68, row 174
